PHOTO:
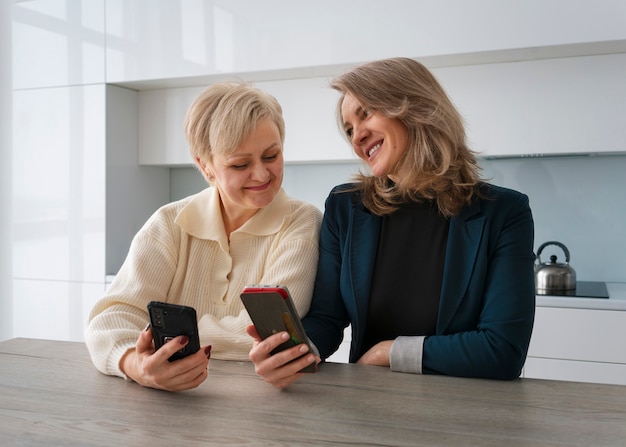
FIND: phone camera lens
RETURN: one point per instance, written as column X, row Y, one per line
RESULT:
column 157, row 316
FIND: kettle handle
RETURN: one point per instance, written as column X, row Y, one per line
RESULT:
column 563, row 247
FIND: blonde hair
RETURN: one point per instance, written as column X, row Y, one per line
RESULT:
column 437, row 164
column 223, row 115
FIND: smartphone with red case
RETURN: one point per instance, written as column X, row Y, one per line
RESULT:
column 271, row 309
column 171, row 320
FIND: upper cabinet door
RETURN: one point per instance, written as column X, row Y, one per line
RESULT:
column 58, row 43
column 534, row 108
column 542, row 107
column 163, row 39
column 524, row 86
column 311, row 130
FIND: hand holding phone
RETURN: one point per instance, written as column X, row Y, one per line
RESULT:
column 271, row 309
column 168, row 321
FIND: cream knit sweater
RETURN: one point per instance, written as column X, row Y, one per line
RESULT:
column 182, row 255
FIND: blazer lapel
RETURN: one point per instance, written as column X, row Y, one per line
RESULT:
column 464, row 239
column 362, row 250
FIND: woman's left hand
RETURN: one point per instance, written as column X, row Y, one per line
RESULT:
column 378, row 355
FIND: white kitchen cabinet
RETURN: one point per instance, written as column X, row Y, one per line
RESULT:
column 53, row 310
column 59, row 183
column 311, row 128
column 578, row 344
column 575, row 371
column 79, row 196
column 553, row 106
column 58, row 43
column 524, row 86
column 166, row 39
column 309, row 105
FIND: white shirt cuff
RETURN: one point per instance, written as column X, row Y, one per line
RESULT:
column 406, row 354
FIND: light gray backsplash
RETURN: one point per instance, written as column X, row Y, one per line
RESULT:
column 579, row 201
column 185, row 181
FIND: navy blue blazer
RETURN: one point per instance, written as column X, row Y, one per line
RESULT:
column 487, row 302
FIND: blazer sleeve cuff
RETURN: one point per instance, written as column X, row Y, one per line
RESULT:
column 406, row 354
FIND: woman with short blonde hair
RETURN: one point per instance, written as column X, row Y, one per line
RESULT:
column 202, row 251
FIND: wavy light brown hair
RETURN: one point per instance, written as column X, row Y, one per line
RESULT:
column 223, row 115
column 437, row 165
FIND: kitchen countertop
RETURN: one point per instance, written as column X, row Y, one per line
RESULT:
column 615, row 301
column 51, row 395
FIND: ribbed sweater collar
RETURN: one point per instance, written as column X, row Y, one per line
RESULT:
column 201, row 217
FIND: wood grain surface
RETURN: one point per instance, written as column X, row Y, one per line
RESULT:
column 51, row 395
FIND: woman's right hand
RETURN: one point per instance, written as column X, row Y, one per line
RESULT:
column 152, row 368
column 282, row 368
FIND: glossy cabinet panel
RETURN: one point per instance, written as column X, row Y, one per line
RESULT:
column 311, row 130
column 532, row 108
column 551, row 106
column 578, row 344
column 54, row 310
column 575, row 371
column 59, row 183
column 58, row 43
column 157, row 39
column 583, row 335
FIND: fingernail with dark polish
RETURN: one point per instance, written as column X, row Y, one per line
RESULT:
column 207, row 352
column 183, row 340
column 147, row 327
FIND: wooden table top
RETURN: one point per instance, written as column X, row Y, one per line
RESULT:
column 50, row 394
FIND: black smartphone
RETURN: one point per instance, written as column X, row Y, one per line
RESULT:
column 271, row 309
column 171, row 320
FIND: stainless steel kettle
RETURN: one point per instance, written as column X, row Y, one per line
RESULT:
column 554, row 277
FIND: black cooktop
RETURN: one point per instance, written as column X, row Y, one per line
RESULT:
column 584, row 289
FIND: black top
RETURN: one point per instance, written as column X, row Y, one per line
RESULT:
column 404, row 296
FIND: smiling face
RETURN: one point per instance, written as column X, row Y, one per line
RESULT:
column 249, row 177
column 379, row 141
